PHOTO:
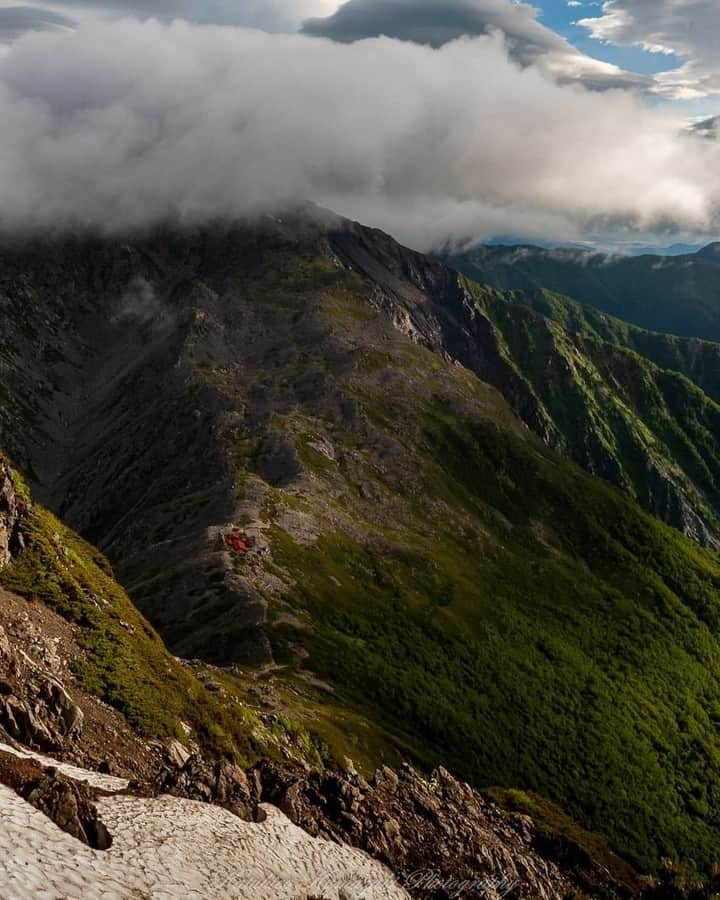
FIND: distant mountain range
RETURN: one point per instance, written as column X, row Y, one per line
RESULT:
column 709, row 128
column 610, row 248
column 676, row 294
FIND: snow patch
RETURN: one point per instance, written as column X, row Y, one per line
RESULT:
column 94, row 779
column 167, row 848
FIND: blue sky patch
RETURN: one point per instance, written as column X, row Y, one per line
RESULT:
column 561, row 17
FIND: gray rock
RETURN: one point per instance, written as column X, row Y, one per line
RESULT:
column 70, row 805
column 177, row 754
column 210, row 781
column 437, row 826
column 278, row 461
column 12, row 510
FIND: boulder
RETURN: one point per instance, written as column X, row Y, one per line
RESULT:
column 177, row 754
column 278, row 462
column 22, row 723
column 436, row 827
column 218, row 781
column 70, row 805
column 12, row 508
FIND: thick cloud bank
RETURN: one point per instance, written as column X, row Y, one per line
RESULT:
column 271, row 15
column 438, row 22
column 16, row 20
column 124, row 124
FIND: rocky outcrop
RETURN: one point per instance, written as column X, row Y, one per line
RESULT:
column 44, row 705
column 209, row 781
column 70, row 804
column 440, row 837
column 12, row 510
column 173, row 848
column 35, row 708
column 278, row 461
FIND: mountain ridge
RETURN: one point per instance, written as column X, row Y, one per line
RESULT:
column 544, row 367
column 506, row 613
column 711, row 251
column 49, row 646
column 677, row 295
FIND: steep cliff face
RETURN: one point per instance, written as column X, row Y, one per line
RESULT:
column 12, row 509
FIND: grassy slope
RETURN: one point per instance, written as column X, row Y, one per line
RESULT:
column 513, row 616
column 126, row 663
column 474, row 599
column 698, row 360
column 676, row 295
column 615, row 411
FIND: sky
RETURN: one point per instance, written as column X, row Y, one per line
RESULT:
column 565, row 17
column 439, row 120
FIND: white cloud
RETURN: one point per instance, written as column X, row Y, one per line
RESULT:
column 437, row 22
column 425, row 21
column 120, row 124
column 16, row 20
column 271, row 15
column 689, row 29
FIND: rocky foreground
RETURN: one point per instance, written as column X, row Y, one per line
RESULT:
column 167, row 847
column 69, row 832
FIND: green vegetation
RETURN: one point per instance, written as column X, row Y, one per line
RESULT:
column 676, row 294
column 125, row 663
column 483, row 602
column 553, row 824
column 698, row 360
column 577, row 378
column 311, row 456
column 477, row 599
column 537, row 630
column 318, row 726
column 442, row 585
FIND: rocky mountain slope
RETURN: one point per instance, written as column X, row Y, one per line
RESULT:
column 429, row 579
column 581, row 380
column 165, row 846
column 592, row 387
column 676, row 294
column 172, row 847
column 76, row 626
column 155, row 826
